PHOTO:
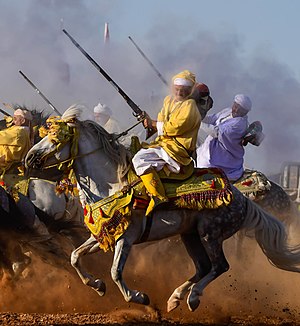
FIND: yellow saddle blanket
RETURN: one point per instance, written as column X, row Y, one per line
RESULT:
column 253, row 184
column 14, row 184
column 108, row 218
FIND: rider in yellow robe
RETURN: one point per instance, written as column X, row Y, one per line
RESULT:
column 177, row 125
column 15, row 141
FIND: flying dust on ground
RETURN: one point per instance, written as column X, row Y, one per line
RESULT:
column 252, row 288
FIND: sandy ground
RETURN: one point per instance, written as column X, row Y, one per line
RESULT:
column 252, row 292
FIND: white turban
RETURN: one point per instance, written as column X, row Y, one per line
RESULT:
column 182, row 82
column 184, row 78
column 244, row 101
column 103, row 109
column 23, row 113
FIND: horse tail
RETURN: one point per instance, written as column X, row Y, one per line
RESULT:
column 271, row 235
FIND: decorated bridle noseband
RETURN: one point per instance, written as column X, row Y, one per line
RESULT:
column 60, row 132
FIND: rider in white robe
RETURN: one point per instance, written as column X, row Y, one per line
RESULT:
column 223, row 146
column 103, row 116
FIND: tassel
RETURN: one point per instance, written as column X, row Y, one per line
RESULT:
column 91, row 220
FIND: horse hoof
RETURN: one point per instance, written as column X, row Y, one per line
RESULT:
column 172, row 304
column 140, row 298
column 100, row 287
column 193, row 304
column 145, row 299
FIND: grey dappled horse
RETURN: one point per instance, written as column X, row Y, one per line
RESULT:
column 277, row 202
column 100, row 164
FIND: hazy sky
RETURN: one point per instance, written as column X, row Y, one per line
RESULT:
column 234, row 46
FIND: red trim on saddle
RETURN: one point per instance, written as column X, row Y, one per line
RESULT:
column 101, row 212
column 91, row 220
column 140, row 203
column 247, row 183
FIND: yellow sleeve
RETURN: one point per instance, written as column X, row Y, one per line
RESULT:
column 182, row 119
column 162, row 115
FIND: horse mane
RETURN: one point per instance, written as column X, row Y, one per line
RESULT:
column 39, row 118
column 117, row 152
column 111, row 146
column 73, row 112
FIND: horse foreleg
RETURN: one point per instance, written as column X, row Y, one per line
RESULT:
column 90, row 246
column 219, row 265
column 122, row 250
column 202, row 264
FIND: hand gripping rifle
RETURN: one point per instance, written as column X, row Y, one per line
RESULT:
column 137, row 112
column 40, row 93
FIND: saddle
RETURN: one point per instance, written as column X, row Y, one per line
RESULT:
column 15, row 184
column 108, row 218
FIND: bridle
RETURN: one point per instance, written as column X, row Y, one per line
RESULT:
column 60, row 133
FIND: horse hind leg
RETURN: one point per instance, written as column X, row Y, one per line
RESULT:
column 219, row 265
column 90, row 246
column 202, row 264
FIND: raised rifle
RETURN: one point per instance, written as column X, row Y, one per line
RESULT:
column 5, row 113
column 137, row 112
column 150, row 63
column 40, row 93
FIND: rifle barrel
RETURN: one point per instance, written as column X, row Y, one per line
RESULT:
column 39, row 92
column 137, row 111
column 5, row 113
column 134, row 107
column 151, row 64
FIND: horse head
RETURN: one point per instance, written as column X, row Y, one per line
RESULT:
column 54, row 147
column 96, row 157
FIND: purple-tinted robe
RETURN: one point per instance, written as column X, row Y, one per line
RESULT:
column 224, row 149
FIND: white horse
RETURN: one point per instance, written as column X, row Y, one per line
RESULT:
column 100, row 164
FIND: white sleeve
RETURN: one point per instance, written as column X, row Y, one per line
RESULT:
column 210, row 129
column 160, row 128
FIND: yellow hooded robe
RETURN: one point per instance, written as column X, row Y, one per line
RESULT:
column 14, row 145
column 181, row 124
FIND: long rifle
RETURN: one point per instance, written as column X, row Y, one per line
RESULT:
column 40, row 93
column 137, row 112
column 5, row 113
column 150, row 63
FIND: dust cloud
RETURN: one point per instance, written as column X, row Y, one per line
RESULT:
column 35, row 44
column 251, row 287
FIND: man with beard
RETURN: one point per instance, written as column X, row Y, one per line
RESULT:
column 177, row 126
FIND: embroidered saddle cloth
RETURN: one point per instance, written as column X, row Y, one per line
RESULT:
column 14, row 184
column 108, row 218
column 253, row 184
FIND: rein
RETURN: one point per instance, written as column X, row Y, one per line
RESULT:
column 70, row 159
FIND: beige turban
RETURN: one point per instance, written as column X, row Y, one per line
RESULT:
column 24, row 113
column 103, row 109
column 244, row 101
column 184, row 78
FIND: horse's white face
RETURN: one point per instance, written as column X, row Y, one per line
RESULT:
column 45, row 154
